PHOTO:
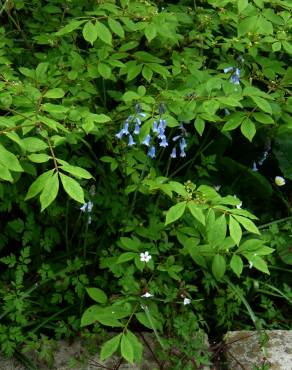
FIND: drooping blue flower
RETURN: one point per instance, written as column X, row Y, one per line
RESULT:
column 182, row 153
column 131, row 141
column 182, row 144
column 138, row 121
column 151, row 152
column 226, row 112
column 163, row 143
column 176, row 138
column 124, row 130
column 142, row 114
column 161, row 109
column 235, row 78
column 173, row 153
column 254, row 167
column 137, row 129
column 146, row 141
column 162, row 124
column 228, row 69
column 161, row 134
column 154, row 127
column 137, row 108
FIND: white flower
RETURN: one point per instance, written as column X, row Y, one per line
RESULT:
column 239, row 205
column 145, row 257
column 87, row 207
column 147, row 295
column 187, row 301
column 250, row 265
column 280, row 181
column 217, row 187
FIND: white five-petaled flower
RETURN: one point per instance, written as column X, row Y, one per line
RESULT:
column 186, row 301
column 145, row 257
column 280, row 181
column 147, row 295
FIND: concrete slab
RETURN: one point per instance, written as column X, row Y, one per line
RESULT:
column 245, row 352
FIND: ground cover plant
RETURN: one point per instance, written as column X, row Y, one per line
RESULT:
column 145, row 171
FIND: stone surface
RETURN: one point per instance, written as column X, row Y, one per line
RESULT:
column 244, row 351
column 74, row 356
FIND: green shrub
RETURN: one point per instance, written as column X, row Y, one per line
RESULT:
column 131, row 125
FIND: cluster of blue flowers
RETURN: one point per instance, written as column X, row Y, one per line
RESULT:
column 157, row 133
column 132, row 120
column 235, row 77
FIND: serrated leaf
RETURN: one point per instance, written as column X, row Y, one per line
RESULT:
column 116, row 27
column 248, row 129
column 89, row 32
column 236, row 265
column 218, row 266
column 69, row 28
column 39, row 158
column 76, row 171
column 125, row 257
column 49, row 192
column 97, row 295
column 33, row 144
column 37, row 186
column 247, row 224
column 150, row 31
column 72, row 188
column 5, row 174
column 109, row 347
column 9, row 160
column 235, row 230
column 137, row 346
column 197, row 212
column 262, row 104
column 103, row 33
column 242, row 4
column 175, row 212
column 55, row 93
column 127, row 350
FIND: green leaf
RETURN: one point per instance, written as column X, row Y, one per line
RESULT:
column 89, row 315
column 69, row 28
column 33, row 144
column 147, row 73
column 258, row 263
column 261, row 103
column 263, row 118
column 116, row 27
column 236, row 265
column 104, row 70
column 216, row 231
column 125, row 257
column 103, row 33
column 97, row 295
column 150, row 31
column 9, row 160
column 248, row 129
column 55, row 93
column 218, row 266
column 175, row 212
column 49, row 192
column 76, row 171
column 242, row 4
column 287, row 46
column 109, row 347
column 37, row 186
column 235, row 230
column 200, row 125
column 72, row 188
column 137, row 346
column 89, row 32
column 247, row 224
column 197, row 212
column 276, row 46
column 5, row 173
column 39, row 158
column 127, row 350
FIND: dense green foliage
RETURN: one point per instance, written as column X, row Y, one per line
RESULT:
column 127, row 128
